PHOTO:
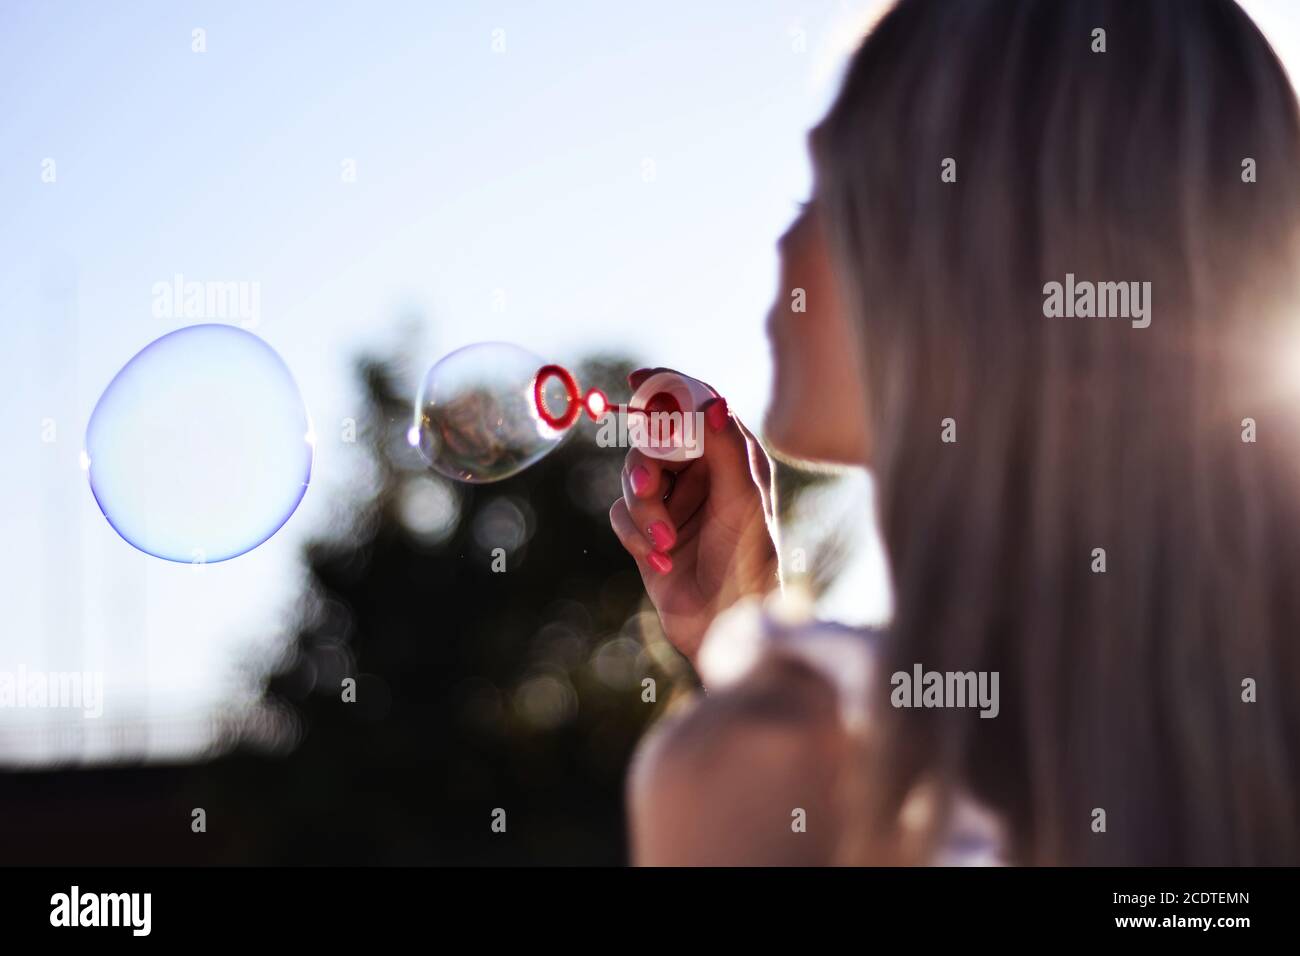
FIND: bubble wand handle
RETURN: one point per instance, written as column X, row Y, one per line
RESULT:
column 594, row 403
column 664, row 392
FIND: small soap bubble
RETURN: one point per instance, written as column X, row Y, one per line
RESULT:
column 201, row 447
column 476, row 417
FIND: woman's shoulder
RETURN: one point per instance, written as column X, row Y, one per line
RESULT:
column 781, row 632
column 748, row 773
column 765, row 766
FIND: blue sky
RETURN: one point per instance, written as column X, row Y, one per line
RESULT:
column 615, row 177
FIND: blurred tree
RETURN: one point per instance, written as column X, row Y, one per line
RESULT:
column 476, row 689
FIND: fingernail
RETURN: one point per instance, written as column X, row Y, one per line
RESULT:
column 716, row 414
column 640, row 480
column 661, row 535
column 660, row 562
column 636, row 377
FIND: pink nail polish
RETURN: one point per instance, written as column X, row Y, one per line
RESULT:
column 640, row 480
column 661, row 535
column 660, row 562
column 716, row 414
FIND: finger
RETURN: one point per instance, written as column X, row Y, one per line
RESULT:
column 648, row 561
column 649, row 513
column 729, row 465
column 682, row 488
column 725, row 450
column 637, row 376
column 636, row 379
column 760, row 464
column 688, row 494
column 633, row 541
column 644, row 474
column 760, row 467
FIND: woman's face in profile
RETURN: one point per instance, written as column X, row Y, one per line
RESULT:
column 817, row 406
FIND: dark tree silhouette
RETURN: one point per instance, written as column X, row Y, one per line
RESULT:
column 476, row 689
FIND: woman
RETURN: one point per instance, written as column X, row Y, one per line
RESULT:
column 1103, row 512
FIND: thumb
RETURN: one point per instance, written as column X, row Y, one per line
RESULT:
column 726, row 450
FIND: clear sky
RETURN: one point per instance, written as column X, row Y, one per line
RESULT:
column 569, row 176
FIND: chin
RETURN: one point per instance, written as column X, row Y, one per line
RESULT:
column 785, row 430
column 781, row 430
column 788, row 436
column 781, row 418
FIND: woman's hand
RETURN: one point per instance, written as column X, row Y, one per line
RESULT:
column 698, row 529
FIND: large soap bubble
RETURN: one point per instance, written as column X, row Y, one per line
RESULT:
column 201, row 447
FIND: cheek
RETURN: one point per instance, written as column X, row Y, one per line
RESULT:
column 793, row 337
column 817, row 408
column 788, row 380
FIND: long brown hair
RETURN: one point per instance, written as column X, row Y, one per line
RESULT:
column 1172, row 158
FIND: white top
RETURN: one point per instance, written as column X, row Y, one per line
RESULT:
column 754, row 630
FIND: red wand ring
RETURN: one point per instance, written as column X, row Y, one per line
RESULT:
column 595, row 403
